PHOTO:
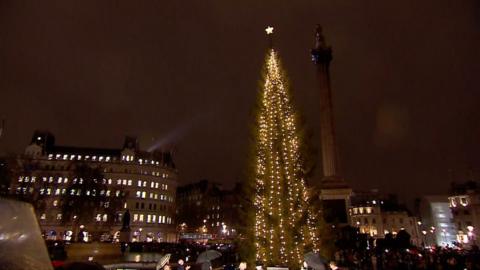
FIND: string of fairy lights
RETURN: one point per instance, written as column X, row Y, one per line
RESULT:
column 284, row 224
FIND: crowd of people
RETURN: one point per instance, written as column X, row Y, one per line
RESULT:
column 408, row 259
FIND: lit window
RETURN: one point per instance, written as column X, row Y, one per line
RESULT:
column 139, row 183
column 98, row 217
column 108, row 193
column 140, row 161
column 94, row 158
column 135, row 217
column 149, row 218
column 156, row 196
column 59, row 216
column 152, row 184
column 117, row 193
column 79, row 157
column 50, row 156
column 156, row 185
column 20, row 179
column 43, row 216
column 109, row 181
column 140, row 218
column 87, row 157
column 100, row 158
column 55, row 202
column 65, row 180
column 65, row 157
column 105, row 217
column 144, row 194
column 453, row 203
column 125, row 182
column 144, row 183
column 154, row 218
column 107, row 159
column 125, row 205
column 58, row 156
column 129, row 182
column 369, row 210
column 119, row 181
column 166, row 187
column 57, row 191
column 463, row 201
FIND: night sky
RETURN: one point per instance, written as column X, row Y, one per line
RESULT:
column 405, row 75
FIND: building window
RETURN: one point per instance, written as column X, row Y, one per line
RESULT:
column 140, row 218
column 149, row 218
column 144, row 194
column 453, row 203
column 129, row 182
column 463, row 201
column 59, row 216
column 43, row 216
column 55, row 202
column 104, row 217
column 135, row 217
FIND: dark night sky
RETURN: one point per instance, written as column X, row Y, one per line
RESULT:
column 406, row 78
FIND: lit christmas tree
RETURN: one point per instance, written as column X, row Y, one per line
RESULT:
column 285, row 224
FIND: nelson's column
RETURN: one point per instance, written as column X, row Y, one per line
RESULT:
column 334, row 191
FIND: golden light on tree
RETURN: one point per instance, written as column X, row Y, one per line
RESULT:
column 284, row 222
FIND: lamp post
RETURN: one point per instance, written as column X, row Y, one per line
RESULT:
column 424, row 233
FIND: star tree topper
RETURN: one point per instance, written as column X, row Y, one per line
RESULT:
column 269, row 30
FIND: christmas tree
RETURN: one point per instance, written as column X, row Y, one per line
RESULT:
column 285, row 224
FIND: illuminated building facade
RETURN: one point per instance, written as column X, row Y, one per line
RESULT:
column 377, row 216
column 464, row 203
column 436, row 225
column 145, row 181
column 205, row 208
